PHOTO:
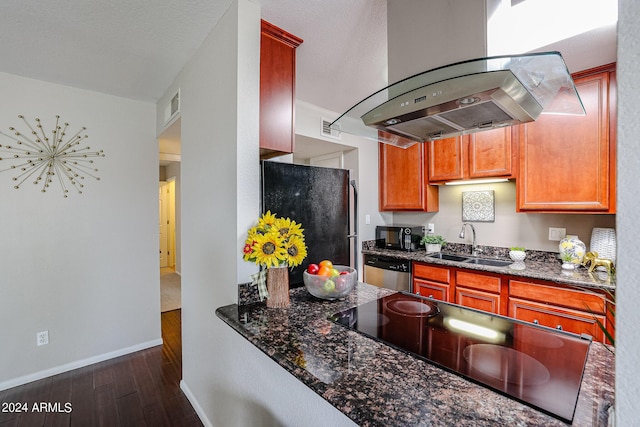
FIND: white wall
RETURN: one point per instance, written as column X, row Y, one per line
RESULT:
column 228, row 380
column 427, row 34
column 628, row 291
column 84, row 268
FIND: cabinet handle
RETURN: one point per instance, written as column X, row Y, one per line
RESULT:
column 559, row 327
column 431, row 296
column 535, row 321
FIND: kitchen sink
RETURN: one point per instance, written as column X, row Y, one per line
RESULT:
column 485, row 261
column 470, row 260
column 449, row 257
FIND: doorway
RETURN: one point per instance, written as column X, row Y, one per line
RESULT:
column 170, row 281
column 167, row 223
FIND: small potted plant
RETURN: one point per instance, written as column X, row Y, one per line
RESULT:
column 517, row 253
column 433, row 243
column 567, row 261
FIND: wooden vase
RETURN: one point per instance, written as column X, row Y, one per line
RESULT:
column 278, row 287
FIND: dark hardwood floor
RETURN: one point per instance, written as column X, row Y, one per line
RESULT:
column 139, row 389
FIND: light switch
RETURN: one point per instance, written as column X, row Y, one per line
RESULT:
column 557, row 234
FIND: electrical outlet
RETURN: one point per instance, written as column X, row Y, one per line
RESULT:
column 431, row 228
column 42, row 338
column 557, row 234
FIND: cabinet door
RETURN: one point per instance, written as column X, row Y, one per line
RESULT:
column 447, row 159
column 480, row 300
column 430, row 289
column 277, row 88
column 565, row 160
column 491, row 153
column 402, row 182
column 578, row 322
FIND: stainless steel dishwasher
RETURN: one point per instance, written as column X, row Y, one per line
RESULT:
column 386, row 272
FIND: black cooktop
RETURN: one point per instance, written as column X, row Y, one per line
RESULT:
column 535, row 365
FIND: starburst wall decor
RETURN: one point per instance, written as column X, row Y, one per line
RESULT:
column 48, row 159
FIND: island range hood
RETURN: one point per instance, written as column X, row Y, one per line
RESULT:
column 465, row 97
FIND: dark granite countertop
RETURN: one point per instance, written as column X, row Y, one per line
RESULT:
column 542, row 267
column 377, row 385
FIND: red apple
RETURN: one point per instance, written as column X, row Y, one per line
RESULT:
column 313, row 268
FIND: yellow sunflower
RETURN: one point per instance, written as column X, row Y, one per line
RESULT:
column 266, row 220
column 268, row 250
column 287, row 227
column 296, row 251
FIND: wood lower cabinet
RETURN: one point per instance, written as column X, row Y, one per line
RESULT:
column 557, row 317
column 403, row 185
column 567, row 163
column 432, row 281
column 536, row 301
column 482, row 291
column 560, row 308
column 277, row 89
column 486, row 154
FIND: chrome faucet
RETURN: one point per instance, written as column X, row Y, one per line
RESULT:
column 474, row 249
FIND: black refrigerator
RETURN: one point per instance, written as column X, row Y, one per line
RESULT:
column 320, row 199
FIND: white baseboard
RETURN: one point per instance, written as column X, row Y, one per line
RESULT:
column 77, row 364
column 194, row 402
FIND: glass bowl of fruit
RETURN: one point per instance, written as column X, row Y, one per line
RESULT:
column 332, row 282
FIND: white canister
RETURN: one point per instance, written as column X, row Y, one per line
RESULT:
column 574, row 247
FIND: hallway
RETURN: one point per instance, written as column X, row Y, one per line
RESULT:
column 170, row 290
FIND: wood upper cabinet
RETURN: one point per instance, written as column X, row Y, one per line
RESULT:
column 402, row 183
column 567, row 163
column 478, row 155
column 447, row 159
column 492, row 153
column 277, row 89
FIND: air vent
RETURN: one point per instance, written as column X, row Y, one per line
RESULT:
column 327, row 131
column 173, row 108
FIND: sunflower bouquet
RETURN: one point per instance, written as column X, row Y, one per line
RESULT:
column 274, row 242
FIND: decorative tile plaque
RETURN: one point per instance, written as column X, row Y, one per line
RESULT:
column 478, row 206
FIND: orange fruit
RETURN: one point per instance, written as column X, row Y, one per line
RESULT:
column 324, row 271
column 326, row 263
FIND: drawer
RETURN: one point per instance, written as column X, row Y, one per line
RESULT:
column 578, row 322
column 575, row 299
column 430, row 272
column 483, row 282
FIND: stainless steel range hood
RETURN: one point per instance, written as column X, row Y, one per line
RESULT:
column 465, row 97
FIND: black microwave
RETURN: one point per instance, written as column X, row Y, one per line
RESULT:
column 400, row 237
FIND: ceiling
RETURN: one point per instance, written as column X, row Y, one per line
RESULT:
column 135, row 49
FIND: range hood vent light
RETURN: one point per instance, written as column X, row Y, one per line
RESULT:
column 465, row 97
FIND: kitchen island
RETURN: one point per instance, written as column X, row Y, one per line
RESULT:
column 377, row 385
